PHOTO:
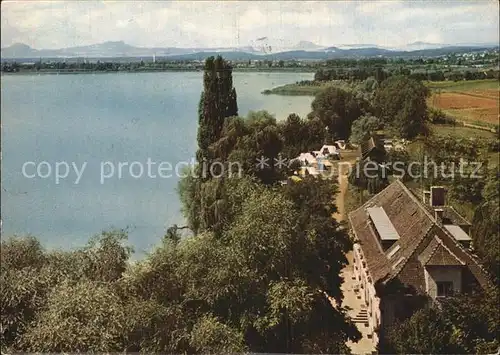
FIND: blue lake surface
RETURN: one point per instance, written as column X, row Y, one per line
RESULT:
column 101, row 120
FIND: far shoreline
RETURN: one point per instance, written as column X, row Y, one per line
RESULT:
column 177, row 70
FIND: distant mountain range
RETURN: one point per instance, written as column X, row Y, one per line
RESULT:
column 262, row 49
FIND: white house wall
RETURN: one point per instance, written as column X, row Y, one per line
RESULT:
column 434, row 274
column 367, row 292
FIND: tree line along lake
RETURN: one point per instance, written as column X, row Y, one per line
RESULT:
column 78, row 125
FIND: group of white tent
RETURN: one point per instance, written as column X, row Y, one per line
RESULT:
column 316, row 161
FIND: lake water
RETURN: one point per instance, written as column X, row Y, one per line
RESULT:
column 101, row 120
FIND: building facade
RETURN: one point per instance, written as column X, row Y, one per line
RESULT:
column 407, row 250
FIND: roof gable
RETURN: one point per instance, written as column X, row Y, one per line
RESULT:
column 370, row 145
column 437, row 254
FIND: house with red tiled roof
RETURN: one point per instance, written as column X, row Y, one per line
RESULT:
column 408, row 250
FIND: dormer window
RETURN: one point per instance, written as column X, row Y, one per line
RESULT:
column 384, row 228
column 459, row 234
column 444, row 288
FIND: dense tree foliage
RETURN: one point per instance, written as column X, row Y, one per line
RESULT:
column 448, row 149
column 459, row 325
column 460, row 163
column 30, row 276
column 260, row 284
column 244, row 142
column 485, row 225
column 337, row 109
column 363, row 127
column 301, row 136
column 369, row 175
column 437, row 116
column 401, row 103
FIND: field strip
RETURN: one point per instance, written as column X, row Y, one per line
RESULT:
column 475, row 95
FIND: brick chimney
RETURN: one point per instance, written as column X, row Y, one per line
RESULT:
column 438, row 196
column 438, row 214
column 426, row 197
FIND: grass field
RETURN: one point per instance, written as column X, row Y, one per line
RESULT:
column 460, row 131
column 474, row 101
column 465, row 85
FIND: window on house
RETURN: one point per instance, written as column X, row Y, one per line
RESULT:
column 444, row 288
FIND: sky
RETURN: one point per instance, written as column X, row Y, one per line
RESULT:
column 60, row 24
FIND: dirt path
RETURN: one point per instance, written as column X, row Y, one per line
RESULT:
column 365, row 344
column 343, row 185
column 339, row 200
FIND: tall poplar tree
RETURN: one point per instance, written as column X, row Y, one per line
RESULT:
column 217, row 102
